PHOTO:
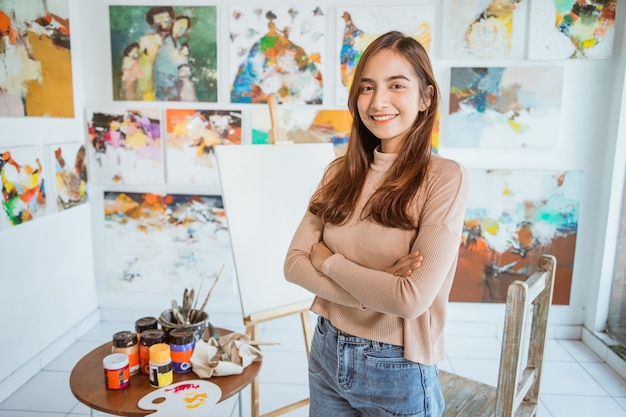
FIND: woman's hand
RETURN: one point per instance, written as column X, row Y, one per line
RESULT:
column 405, row 266
column 319, row 253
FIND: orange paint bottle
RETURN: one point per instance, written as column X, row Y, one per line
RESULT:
column 116, row 371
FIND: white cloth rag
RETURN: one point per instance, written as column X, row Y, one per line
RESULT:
column 207, row 361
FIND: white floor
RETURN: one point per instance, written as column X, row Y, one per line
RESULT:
column 576, row 382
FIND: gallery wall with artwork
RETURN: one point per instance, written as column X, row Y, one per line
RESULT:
column 112, row 110
column 506, row 113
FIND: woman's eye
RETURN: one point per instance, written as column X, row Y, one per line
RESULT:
column 366, row 88
column 397, row 87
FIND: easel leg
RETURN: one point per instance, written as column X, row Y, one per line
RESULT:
column 252, row 331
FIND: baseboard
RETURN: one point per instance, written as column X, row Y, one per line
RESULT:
column 599, row 343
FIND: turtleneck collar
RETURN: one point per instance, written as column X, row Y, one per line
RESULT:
column 382, row 161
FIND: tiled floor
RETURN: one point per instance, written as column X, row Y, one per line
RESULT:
column 576, row 382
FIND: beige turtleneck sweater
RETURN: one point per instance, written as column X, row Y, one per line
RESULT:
column 355, row 293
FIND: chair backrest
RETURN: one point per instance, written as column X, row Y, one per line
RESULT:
column 519, row 377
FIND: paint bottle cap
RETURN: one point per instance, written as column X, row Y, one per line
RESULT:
column 115, row 361
column 160, row 353
column 152, row 337
column 124, row 339
column 145, row 323
column 181, row 337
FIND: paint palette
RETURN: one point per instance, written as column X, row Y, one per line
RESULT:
column 186, row 398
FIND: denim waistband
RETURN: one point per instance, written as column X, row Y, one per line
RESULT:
column 327, row 326
column 324, row 322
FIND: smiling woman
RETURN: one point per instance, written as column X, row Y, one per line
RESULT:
column 379, row 243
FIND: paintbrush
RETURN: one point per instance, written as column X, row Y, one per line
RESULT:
column 206, row 274
column 206, row 300
column 176, row 314
column 188, row 310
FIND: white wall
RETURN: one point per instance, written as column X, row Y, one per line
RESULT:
column 51, row 268
column 47, row 283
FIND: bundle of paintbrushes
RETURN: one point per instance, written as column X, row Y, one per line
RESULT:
column 186, row 313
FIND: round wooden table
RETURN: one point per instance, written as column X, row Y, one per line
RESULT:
column 88, row 386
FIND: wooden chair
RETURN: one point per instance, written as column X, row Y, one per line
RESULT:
column 521, row 358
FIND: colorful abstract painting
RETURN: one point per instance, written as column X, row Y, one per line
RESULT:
column 163, row 242
column 513, row 107
column 35, row 59
column 305, row 125
column 278, row 50
column 484, row 28
column 23, row 185
column 69, row 188
column 358, row 26
column 125, row 147
column 512, row 218
column 164, row 53
column 571, row 29
column 191, row 136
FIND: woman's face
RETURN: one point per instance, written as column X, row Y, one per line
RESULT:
column 389, row 98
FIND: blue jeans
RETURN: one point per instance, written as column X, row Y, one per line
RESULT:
column 352, row 376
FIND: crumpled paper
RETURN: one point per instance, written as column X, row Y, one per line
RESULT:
column 206, row 359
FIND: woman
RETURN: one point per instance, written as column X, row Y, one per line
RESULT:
column 378, row 245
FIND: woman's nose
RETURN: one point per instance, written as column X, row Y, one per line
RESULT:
column 380, row 99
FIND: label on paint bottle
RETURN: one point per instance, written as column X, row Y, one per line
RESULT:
column 182, row 343
column 160, row 365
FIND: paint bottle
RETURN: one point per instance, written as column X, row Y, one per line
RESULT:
column 148, row 338
column 182, row 344
column 116, row 371
column 145, row 323
column 161, row 373
column 126, row 342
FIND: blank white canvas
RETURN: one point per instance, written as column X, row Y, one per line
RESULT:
column 264, row 203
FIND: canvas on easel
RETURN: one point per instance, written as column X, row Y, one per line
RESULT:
column 264, row 208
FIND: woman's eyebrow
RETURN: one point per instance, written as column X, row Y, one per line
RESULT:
column 390, row 78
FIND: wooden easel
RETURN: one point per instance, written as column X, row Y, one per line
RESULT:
column 278, row 134
column 251, row 322
column 286, row 176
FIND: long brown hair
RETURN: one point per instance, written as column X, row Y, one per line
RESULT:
column 336, row 200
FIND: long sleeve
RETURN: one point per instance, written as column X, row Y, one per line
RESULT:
column 438, row 239
column 299, row 270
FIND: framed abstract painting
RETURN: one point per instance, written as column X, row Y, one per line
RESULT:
column 125, row 146
column 278, row 50
column 35, row 59
column 24, row 186
column 504, row 107
column 69, row 177
column 163, row 242
column 190, row 139
column 305, row 125
column 512, row 218
column 572, row 29
column 484, row 28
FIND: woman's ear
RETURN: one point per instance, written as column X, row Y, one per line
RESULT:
column 426, row 99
